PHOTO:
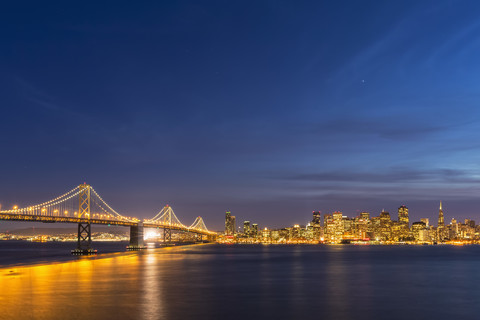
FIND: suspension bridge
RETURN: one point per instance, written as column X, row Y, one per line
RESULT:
column 85, row 207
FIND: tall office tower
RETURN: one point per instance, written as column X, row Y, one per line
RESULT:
column 385, row 226
column 234, row 225
column 403, row 215
column 441, row 222
column 365, row 216
column 246, row 228
column 338, row 226
column 385, row 217
column 328, row 227
column 254, row 230
column 229, row 224
column 316, row 218
column 316, row 226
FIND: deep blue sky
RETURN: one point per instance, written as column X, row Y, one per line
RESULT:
column 270, row 109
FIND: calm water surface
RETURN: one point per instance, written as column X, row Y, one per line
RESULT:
column 251, row 282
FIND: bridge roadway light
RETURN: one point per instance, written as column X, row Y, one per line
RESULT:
column 15, row 207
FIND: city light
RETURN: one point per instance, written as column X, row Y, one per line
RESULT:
column 338, row 228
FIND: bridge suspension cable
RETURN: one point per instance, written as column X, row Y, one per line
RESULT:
column 166, row 217
column 199, row 224
column 67, row 206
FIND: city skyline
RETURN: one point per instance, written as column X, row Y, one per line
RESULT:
column 262, row 108
column 254, row 159
column 291, row 220
column 364, row 228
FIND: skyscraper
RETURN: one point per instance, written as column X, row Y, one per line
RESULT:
column 338, row 226
column 316, row 218
column 229, row 224
column 441, row 222
column 254, row 230
column 385, row 226
column 316, row 225
column 403, row 215
column 246, row 228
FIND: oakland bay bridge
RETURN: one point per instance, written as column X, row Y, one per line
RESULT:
column 84, row 206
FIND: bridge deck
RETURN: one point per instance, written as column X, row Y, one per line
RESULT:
column 53, row 219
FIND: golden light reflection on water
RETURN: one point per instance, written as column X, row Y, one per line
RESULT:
column 89, row 288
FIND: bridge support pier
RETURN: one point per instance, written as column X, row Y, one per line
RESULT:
column 167, row 235
column 84, row 244
column 136, row 238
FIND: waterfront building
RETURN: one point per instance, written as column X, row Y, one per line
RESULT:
column 348, row 228
column 403, row 215
column 423, row 236
column 266, row 236
column 338, row 226
column 229, row 224
column 254, row 230
column 246, row 228
column 316, row 226
column 441, row 224
column 385, row 226
column 374, row 228
column 361, row 226
column 328, row 227
column 416, row 228
column 316, row 218
column 275, row 235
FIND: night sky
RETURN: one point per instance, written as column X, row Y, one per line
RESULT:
column 270, row 109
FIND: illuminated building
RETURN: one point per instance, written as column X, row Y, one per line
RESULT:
column 275, row 235
column 403, row 215
column 416, row 228
column 348, row 228
column 365, row 216
column 385, row 226
column 316, row 226
column 329, row 229
column 338, row 226
column 374, row 228
column 423, row 235
column 246, row 228
column 229, row 224
column 316, row 218
column 441, row 224
column 266, row 235
column 361, row 225
column 470, row 223
column 426, row 221
column 401, row 230
column 254, row 230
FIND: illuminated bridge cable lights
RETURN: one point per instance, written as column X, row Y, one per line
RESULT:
column 70, row 207
column 84, row 206
column 198, row 224
column 166, row 217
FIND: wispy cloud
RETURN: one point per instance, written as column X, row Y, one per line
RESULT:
column 390, row 176
column 40, row 98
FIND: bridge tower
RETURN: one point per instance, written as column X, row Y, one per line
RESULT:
column 84, row 228
column 167, row 235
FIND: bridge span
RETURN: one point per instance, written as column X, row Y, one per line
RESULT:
column 84, row 207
